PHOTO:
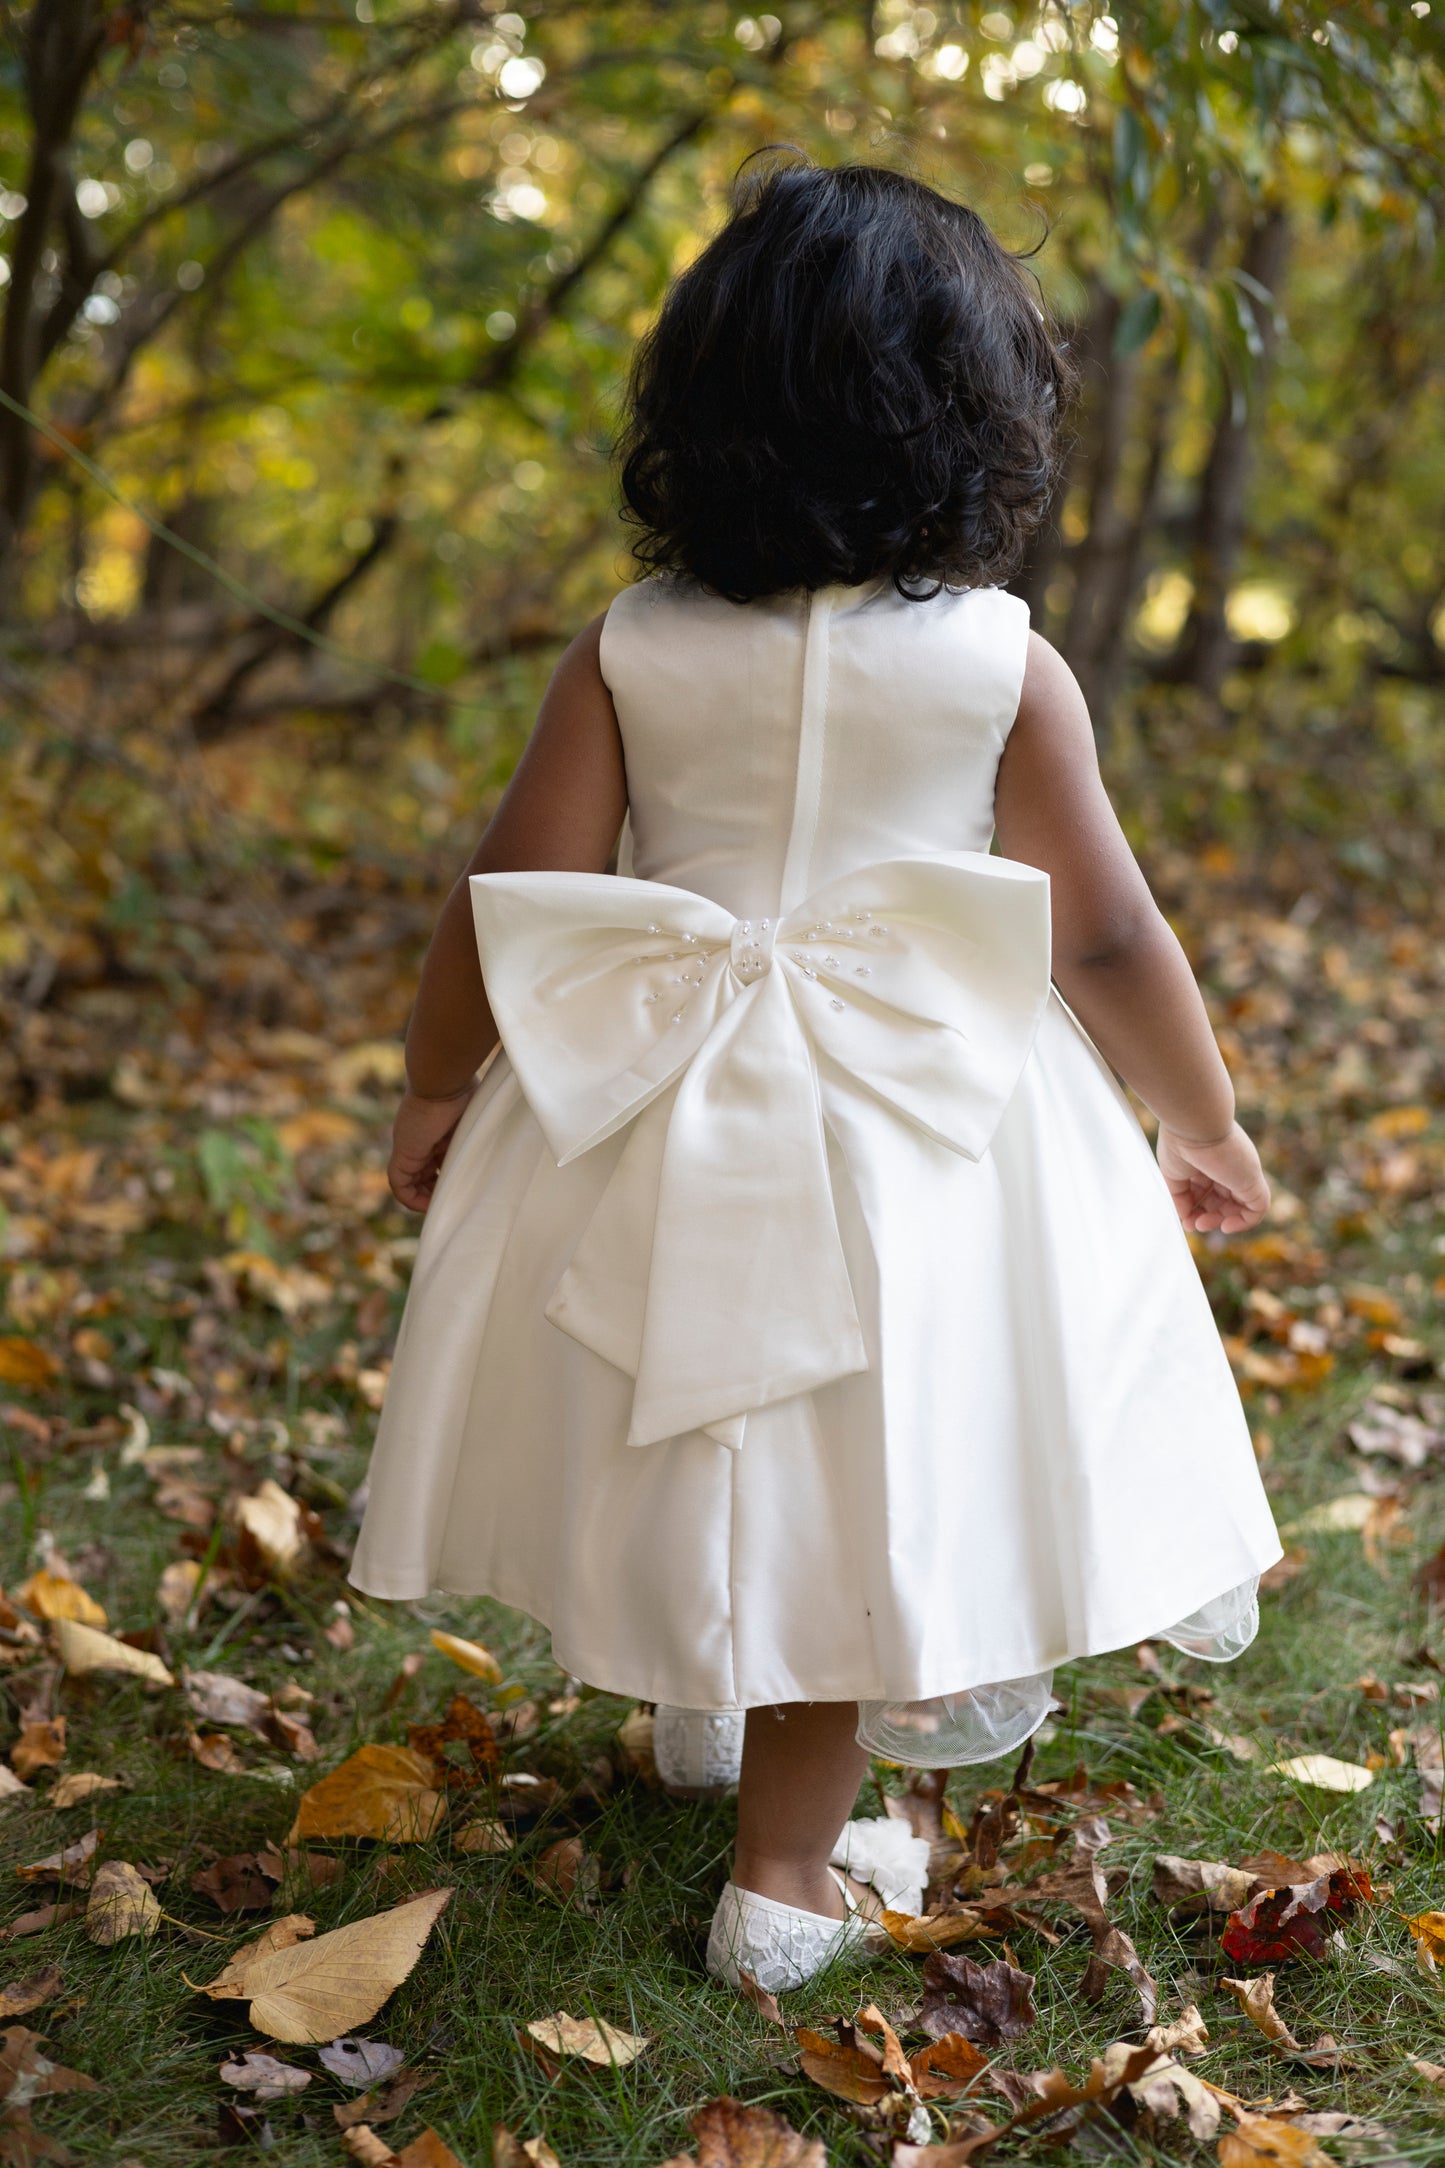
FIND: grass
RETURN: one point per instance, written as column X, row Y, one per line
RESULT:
column 504, row 1952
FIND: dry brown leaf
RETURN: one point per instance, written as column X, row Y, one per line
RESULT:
column 729, row 2135
column 214, row 1750
column 220, row 1699
column 264, row 2077
column 847, row 2067
column 512, row 2152
column 36, row 1922
column 379, row 1791
column 78, row 1785
column 25, row 2074
column 11, row 1787
column 936, row 1930
column 470, row 1655
column 486, row 1835
column 988, row 2004
column 1432, row 2073
column 28, row 1994
column 591, row 2039
column 384, row 2103
column 1198, row 1885
column 25, row 1362
column 282, row 1934
column 1267, row 2141
column 634, row 1740
column 1323, row 1771
column 762, row 2001
column 40, row 1746
column 946, row 2067
column 1186, row 2034
column 76, row 1863
column 84, row 1648
column 1165, row 2089
column 315, row 1990
column 121, row 1903
column 870, row 2020
column 55, row 1595
column 276, row 1525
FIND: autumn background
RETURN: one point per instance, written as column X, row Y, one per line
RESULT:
column 315, row 314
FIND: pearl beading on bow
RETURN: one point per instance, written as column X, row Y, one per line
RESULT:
column 712, row 1268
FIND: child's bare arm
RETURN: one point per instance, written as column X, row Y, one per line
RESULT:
column 1116, row 960
column 561, row 812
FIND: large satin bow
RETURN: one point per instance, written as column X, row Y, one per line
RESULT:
column 712, row 1269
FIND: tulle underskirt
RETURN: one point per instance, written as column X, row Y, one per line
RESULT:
column 950, row 1730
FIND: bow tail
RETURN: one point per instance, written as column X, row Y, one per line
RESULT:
column 748, row 1298
column 712, row 1269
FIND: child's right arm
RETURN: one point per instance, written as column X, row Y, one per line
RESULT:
column 1116, row 959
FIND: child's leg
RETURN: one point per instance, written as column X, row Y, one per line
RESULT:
column 802, row 1767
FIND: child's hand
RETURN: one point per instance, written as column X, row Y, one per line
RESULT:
column 419, row 1138
column 1214, row 1185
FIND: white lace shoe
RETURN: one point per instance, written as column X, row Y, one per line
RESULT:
column 699, row 1752
column 782, row 1946
column 778, row 1944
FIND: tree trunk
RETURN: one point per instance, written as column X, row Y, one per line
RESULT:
column 1205, row 648
column 1092, row 339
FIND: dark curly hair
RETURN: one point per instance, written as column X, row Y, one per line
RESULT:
column 853, row 378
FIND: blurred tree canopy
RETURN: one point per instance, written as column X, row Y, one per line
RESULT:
column 316, row 314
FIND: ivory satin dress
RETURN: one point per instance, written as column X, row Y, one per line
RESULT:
column 801, row 1313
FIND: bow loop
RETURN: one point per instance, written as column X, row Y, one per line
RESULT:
column 712, row 1269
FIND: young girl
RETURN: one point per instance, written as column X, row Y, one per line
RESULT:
column 801, row 1323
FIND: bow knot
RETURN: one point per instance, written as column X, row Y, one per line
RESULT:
column 712, row 1269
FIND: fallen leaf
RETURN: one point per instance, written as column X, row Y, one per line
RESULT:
column 729, row 2135
column 25, row 1362
column 1270, row 2142
column 1352, row 1510
column 1186, row 2034
column 566, row 1871
column 941, row 1930
column 282, row 1934
column 1428, row 1930
column 763, row 2002
column 1166, row 2089
column 121, row 1903
column 36, row 1922
column 75, row 1863
column 11, row 1787
column 361, row 2062
column 55, row 1595
column 28, row 1994
column 1400, row 1436
column 1197, row 1885
column 985, row 2003
column 379, row 1791
column 78, row 1785
column 1256, row 1999
column 384, row 2104
column 1432, row 2073
column 946, row 2067
column 426, row 2151
column 83, row 1649
column 1082, row 1885
column 1323, row 1772
column 593, row 2039
column 315, row 1990
column 40, row 1746
column 213, row 1750
column 26, row 2074
column 849, row 2068
column 634, row 1740
column 470, row 1655
column 1278, row 1924
column 235, row 1883
column 275, row 1522
column 264, row 2077
column 463, row 1725
column 485, row 1835
column 220, row 1699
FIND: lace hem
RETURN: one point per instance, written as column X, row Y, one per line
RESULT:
column 950, row 1730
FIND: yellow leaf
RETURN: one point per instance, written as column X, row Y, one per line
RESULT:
column 318, row 1989
column 80, row 1784
column 55, row 1595
column 375, row 1061
column 470, row 1655
column 273, row 1519
column 483, row 1836
column 1428, row 1928
column 379, row 1791
column 121, row 1903
column 280, row 1935
column 82, row 1649
column 1267, row 2141
column 1324, row 1772
column 940, row 1933
column 1352, row 1510
column 593, row 2039
column 317, row 1126
column 25, row 1362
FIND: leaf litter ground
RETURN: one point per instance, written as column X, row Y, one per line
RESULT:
column 203, row 1281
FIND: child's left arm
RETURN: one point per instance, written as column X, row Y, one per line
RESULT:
column 561, row 812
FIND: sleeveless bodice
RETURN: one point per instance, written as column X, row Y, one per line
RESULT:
column 774, row 746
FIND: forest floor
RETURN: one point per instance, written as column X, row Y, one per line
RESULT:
column 203, row 1281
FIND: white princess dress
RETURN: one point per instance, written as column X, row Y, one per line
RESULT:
column 801, row 1314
